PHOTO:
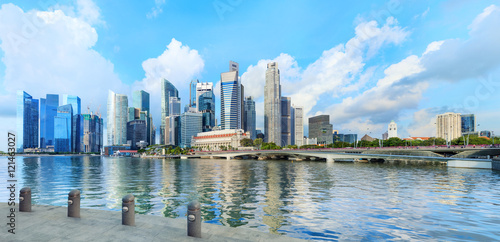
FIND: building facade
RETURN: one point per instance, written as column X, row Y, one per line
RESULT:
column 320, row 128
column 117, row 118
column 298, row 125
column 249, row 117
column 392, row 130
column 286, row 121
column 217, row 140
column 193, row 96
column 191, row 123
column 140, row 100
column 468, row 123
column 272, row 104
column 27, row 121
column 205, row 100
column 231, row 98
column 167, row 90
column 63, row 128
column 449, row 126
column 48, row 111
column 92, row 133
column 136, row 132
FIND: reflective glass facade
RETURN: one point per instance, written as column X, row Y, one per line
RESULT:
column 249, row 117
column 231, row 105
column 27, row 121
column 117, row 118
column 63, row 128
column 206, row 105
column 92, row 133
column 167, row 90
column 286, row 121
column 140, row 100
column 468, row 123
column 75, row 102
column 48, row 110
column 190, row 126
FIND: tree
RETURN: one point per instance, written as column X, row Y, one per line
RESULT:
column 257, row 142
column 270, row 146
column 246, row 142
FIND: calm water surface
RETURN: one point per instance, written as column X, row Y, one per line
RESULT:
column 309, row 200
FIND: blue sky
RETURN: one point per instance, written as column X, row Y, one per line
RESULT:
column 362, row 63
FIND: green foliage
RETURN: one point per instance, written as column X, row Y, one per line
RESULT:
column 270, row 146
column 141, row 151
column 246, row 142
column 310, row 147
column 291, row 147
column 257, row 142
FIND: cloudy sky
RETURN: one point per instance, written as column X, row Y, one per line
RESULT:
column 363, row 63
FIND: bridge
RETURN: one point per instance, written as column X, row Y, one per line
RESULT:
column 453, row 156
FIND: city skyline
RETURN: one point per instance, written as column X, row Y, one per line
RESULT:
column 390, row 76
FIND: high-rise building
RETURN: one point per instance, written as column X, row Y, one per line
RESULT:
column 175, row 106
column 350, row 138
column 27, row 121
column 385, row 135
column 249, row 117
column 167, row 90
column 272, row 104
column 63, row 128
column 468, row 123
column 231, row 93
column 190, row 126
column 92, row 133
column 173, row 130
column 286, row 121
column 320, row 128
column 392, row 130
column 133, row 114
column 117, row 118
column 205, row 100
column 48, row 110
column 140, row 100
column 449, row 126
column 77, row 133
column 193, row 96
column 136, row 132
column 298, row 125
column 75, row 102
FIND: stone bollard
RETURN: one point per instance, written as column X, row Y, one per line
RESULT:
column 128, row 210
column 74, row 203
column 25, row 200
column 194, row 219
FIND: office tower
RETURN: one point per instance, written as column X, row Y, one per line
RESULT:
column 63, row 126
column 298, row 125
column 27, row 121
column 193, row 97
column 136, row 132
column 449, row 126
column 75, row 102
column 286, row 121
column 393, row 130
column 175, row 106
column 249, row 117
column 140, row 100
column 205, row 100
column 133, row 114
column 167, row 90
column 190, row 126
column 468, row 123
column 48, row 110
column 117, row 118
column 350, row 138
column 320, row 128
column 172, row 130
column 242, row 102
column 385, row 135
column 231, row 105
column 92, row 133
column 272, row 104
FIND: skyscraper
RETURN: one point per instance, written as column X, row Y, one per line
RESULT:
column 231, row 92
column 468, row 123
column 27, row 121
column 136, row 132
column 392, row 130
column 193, row 97
column 48, row 110
column 167, row 90
column 449, row 126
column 286, row 121
column 249, row 117
column 205, row 100
column 63, row 127
column 140, row 100
column 92, row 133
column 175, row 106
column 117, row 118
column 190, row 126
column 298, row 125
column 272, row 104
column 75, row 102
column 77, row 130
column 320, row 128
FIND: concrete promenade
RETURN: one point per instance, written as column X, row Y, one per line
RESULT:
column 50, row 223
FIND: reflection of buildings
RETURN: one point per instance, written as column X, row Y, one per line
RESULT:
column 273, row 202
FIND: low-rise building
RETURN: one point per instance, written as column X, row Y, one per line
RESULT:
column 216, row 140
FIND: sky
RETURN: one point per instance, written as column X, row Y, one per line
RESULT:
column 362, row 63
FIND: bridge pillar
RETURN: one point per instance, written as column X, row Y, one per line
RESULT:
column 330, row 159
column 228, row 157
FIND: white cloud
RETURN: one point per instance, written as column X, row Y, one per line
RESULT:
column 422, row 15
column 156, row 10
column 89, row 12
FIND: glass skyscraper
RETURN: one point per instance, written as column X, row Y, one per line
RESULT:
column 75, row 102
column 140, row 100
column 117, row 118
column 190, row 126
column 27, row 121
column 48, row 110
column 249, row 117
column 92, row 133
column 231, row 98
column 468, row 123
column 63, row 128
column 167, row 90
column 205, row 100
column 286, row 121
column 272, row 104
column 193, row 97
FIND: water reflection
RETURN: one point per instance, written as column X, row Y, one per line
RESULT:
column 311, row 200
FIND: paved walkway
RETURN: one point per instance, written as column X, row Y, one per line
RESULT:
column 50, row 223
